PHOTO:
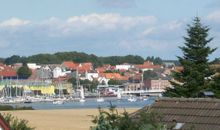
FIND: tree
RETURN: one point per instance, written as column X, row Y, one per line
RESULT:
column 149, row 74
column 24, row 72
column 216, row 86
column 114, row 82
column 17, row 124
column 113, row 120
column 155, row 60
column 192, row 80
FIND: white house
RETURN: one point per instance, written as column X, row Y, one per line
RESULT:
column 57, row 72
column 102, row 80
column 123, row 67
column 91, row 75
column 33, row 66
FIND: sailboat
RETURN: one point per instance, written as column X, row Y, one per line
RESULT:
column 82, row 97
column 119, row 95
column 80, row 87
column 132, row 99
column 100, row 99
column 59, row 100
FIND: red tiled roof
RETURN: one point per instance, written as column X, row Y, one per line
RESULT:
column 147, row 65
column 101, row 70
column 71, row 65
column 116, row 76
column 7, row 71
column 83, row 67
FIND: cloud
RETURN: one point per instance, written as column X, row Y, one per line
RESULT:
column 214, row 16
column 117, row 3
column 109, row 21
column 101, row 34
column 14, row 22
column 173, row 25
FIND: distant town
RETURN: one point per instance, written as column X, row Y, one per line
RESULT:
column 144, row 78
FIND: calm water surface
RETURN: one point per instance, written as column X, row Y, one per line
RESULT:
column 91, row 103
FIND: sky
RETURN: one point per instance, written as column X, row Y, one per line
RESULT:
column 103, row 27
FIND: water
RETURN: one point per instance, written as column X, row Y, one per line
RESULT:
column 90, row 103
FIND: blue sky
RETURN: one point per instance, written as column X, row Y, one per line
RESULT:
column 103, row 27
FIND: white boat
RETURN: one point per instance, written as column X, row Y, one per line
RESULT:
column 58, row 102
column 132, row 99
column 82, row 97
column 82, row 100
column 118, row 95
column 100, row 99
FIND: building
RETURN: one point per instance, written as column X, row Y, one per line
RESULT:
column 187, row 113
column 91, row 75
column 133, row 86
column 147, row 66
column 157, row 83
column 84, row 67
column 33, row 66
column 69, row 65
column 58, row 72
column 123, row 67
column 7, row 72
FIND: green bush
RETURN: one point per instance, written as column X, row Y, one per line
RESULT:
column 8, row 108
column 15, row 123
column 112, row 120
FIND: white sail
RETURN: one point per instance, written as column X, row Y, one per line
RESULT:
column 118, row 94
column 100, row 99
column 82, row 96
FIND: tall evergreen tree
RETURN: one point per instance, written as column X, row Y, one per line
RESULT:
column 193, row 79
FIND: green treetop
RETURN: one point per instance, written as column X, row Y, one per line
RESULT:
column 24, row 72
column 193, row 79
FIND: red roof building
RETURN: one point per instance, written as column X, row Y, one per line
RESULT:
column 7, row 71
column 70, row 65
column 115, row 76
column 81, row 67
column 84, row 67
column 147, row 66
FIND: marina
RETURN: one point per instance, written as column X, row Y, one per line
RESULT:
column 89, row 103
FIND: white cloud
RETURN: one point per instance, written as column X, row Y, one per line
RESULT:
column 147, row 31
column 173, row 25
column 14, row 22
column 110, row 21
column 102, row 34
column 214, row 16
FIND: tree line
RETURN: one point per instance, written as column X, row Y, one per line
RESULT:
column 79, row 57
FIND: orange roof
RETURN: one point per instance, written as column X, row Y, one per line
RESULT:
column 101, row 70
column 147, row 65
column 7, row 71
column 144, row 66
column 71, row 65
column 116, row 76
column 83, row 67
